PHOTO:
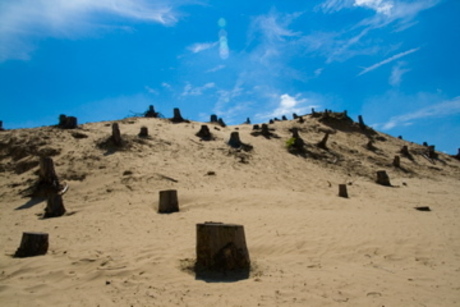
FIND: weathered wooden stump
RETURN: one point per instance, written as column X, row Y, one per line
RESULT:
column 1, row 126
column 405, row 151
column 298, row 141
column 322, row 143
column 204, row 133
column 265, row 131
column 169, row 202
column 48, row 182
column 213, row 118
column 32, row 244
column 295, row 116
column 284, row 117
column 300, row 120
column 370, row 145
column 177, row 117
column 431, row 152
column 343, row 190
column 361, row 122
column 425, row 144
column 54, row 206
column 151, row 112
column 235, row 141
column 397, row 161
column 255, row 127
column 383, row 179
column 457, row 156
column 67, row 122
column 271, row 121
column 116, row 135
column 248, row 121
column 144, row 132
column 221, row 247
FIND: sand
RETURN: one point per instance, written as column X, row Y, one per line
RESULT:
column 308, row 247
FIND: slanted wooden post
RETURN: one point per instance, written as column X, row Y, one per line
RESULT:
column 32, row 244
column 220, row 121
column 221, row 247
column 397, row 161
column 177, row 117
column 382, row 178
column 116, row 135
column 54, row 206
column 343, row 190
column 144, row 132
column 168, row 202
column 322, row 143
column 204, row 133
column 361, row 122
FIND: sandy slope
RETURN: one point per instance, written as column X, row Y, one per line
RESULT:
column 308, row 246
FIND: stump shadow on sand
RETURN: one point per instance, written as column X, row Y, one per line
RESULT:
column 30, row 203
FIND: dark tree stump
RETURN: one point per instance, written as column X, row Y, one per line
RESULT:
column 221, row 123
column 397, row 161
column 265, row 131
column 144, row 132
column 301, row 120
column 116, row 135
column 295, row 116
column 32, row 244
column 67, row 122
column 248, row 121
column 255, row 127
column 54, row 206
column 271, row 121
column 48, row 182
column 1, row 126
column 213, row 118
column 235, row 141
column 177, row 117
column 168, row 202
column 370, row 145
column 151, row 112
column 221, row 247
column 383, row 179
column 343, row 190
column 361, row 122
column 284, row 117
column 458, row 155
column 322, row 143
column 298, row 141
column 432, row 153
column 400, row 137
column 425, row 144
column 204, row 133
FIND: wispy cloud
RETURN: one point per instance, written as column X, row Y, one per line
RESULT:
column 380, row 6
column 397, row 72
column 198, row 47
column 189, row 90
column 217, row 68
column 388, row 60
column 287, row 105
column 442, row 109
column 23, row 22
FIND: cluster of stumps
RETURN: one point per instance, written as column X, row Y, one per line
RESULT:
column 221, row 249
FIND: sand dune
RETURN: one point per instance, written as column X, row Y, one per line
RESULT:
column 308, row 247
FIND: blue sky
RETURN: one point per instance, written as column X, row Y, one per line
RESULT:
column 396, row 62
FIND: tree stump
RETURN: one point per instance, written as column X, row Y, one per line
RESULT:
column 1, row 126
column 248, row 121
column 361, row 122
column 343, row 190
column 67, row 122
column 301, row 120
column 168, row 202
column 177, row 117
column 151, row 112
column 255, row 127
column 32, row 244
column 48, row 182
column 271, row 121
column 235, row 141
column 54, row 206
column 284, row 117
column 144, row 132
column 370, row 145
column 221, row 247
column 265, row 132
column 431, row 152
column 213, row 118
column 458, row 155
column 425, row 144
column 322, row 143
column 295, row 116
column 383, row 179
column 204, row 133
column 116, row 135
column 397, row 161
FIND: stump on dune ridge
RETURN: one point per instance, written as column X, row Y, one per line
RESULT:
column 116, row 135
column 204, row 133
column 221, row 248
column 32, row 244
column 235, row 142
column 177, row 117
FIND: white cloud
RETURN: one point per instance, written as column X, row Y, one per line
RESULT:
column 441, row 109
column 151, row 90
column 24, row 22
column 386, row 61
column 396, row 74
column 288, row 104
column 380, row 6
column 189, row 90
column 198, row 47
column 217, row 68
column 166, row 85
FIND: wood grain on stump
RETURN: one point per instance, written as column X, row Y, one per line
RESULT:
column 343, row 190
column 382, row 178
column 168, row 202
column 221, row 247
column 32, row 244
